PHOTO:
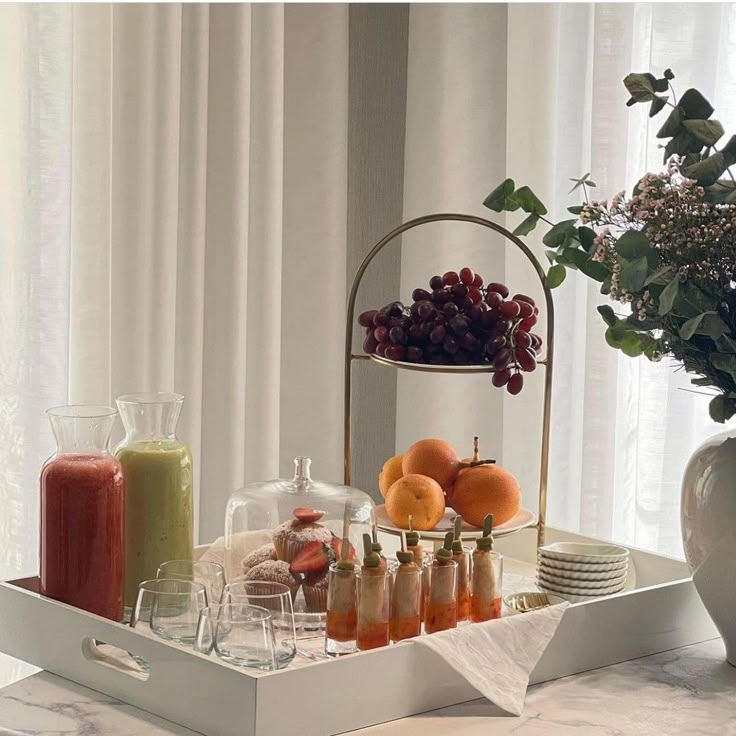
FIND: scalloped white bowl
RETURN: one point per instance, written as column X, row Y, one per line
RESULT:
column 575, row 582
column 571, row 597
column 582, row 567
column 565, row 590
column 584, row 553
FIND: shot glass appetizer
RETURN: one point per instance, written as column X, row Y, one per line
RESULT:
column 374, row 599
column 440, row 612
column 406, row 596
column 486, row 579
column 342, row 615
column 461, row 555
column 413, row 545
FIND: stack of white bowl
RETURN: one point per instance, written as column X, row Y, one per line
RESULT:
column 582, row 572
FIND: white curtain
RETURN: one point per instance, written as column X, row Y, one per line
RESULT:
column 173, row 200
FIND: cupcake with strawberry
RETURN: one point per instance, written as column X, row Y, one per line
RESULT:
column 291, row 537
column 312, row 563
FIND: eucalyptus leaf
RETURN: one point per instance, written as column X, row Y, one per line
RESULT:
column 691, row 301
column 730, row 148
column 634, row 274
column 721, row 408
column 721, row 192
column 609, row 316
column 527, row 225
column 668, row 296
column 573, row 257
column 529, row 201
column 496, row 200
column 555, row 276
column 595, row 270
column 711, row 325
column 640, row 87
column 575, row 210
column 551, row 255
column 726, row 344
column 632, row 244
column 586, row 236
column 555, row 237
column 659, row 275
column 681, row 144
column 725, row 362
column 658, row 103
column 706, row 131
column 687, row 330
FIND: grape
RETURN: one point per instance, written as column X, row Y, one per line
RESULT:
column 526, row 359
column 525, row 309
column 397, row 335
column 502, row 326
column 495, row 344
column 461, row 358
column 440, row 296
column 536, row 342
column 395, row 309
column 464, row 302
column 522, row 339
column 501, row 378
column 370, row 344
column 415, row 355
column 419, row 295
column 459, row 290
column 524, row 298
column 528, row 323
column 477, row 281
column 432, row 349
column 459, row 325
column 436, row 282
column 426, row 310
column 450, row 345
column 381, row 349
column 450, row 309
column 502, row 358
column 438, row 359
column 475, row 295
column 488, row 320
column 469, row 341
column 366, row 318
column 450, row 278
column 493, row 299
column 369, row 330
column 515, row 384
column 416, row 331
column 395, row 352
column 381, row 318
column 499, row 288
column 475, row 313
column 427, row 327
column 402, row 321
column 467, row 275
column 510, row 310
column 381, row 333
column 438, row 334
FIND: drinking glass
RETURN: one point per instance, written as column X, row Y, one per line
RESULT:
column 210, row 574
column 169, row 608
column 239, row 633
column 275, row 598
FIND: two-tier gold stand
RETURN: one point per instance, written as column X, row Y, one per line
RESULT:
column 545, row 363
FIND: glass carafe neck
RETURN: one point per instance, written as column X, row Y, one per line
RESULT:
column 150, row 416
column 81, row 430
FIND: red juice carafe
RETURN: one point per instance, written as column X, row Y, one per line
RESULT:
column 82, row 514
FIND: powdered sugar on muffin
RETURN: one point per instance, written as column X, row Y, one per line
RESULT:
column 291, row 536
column 262, row 554
column 274, row 571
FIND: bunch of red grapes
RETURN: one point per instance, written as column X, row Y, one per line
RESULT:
column 459, row 321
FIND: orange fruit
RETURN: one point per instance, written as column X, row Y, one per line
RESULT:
column 434, row 458
column 390, row 473
column 486, row 489
column 417, row 496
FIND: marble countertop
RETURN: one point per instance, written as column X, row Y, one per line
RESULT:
column 684, row 691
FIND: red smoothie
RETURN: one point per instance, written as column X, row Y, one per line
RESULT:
column 83, row 532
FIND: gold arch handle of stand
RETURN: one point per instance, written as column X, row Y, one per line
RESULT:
column 546, row 363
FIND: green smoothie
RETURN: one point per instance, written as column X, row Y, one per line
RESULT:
column 158, row 508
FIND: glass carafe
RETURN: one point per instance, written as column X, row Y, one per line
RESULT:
column 158, row 479
column 82, row 510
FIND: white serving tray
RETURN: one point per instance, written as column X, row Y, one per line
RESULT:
column 203, row 694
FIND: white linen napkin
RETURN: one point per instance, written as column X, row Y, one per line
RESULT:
column 498, row 657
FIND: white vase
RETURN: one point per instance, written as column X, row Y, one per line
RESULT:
column 708, row 517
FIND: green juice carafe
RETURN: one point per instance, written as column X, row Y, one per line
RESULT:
column 158, row 487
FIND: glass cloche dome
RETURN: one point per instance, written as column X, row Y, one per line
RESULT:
column 289, row 531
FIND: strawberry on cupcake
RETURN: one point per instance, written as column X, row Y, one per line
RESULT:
column 292, row 536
